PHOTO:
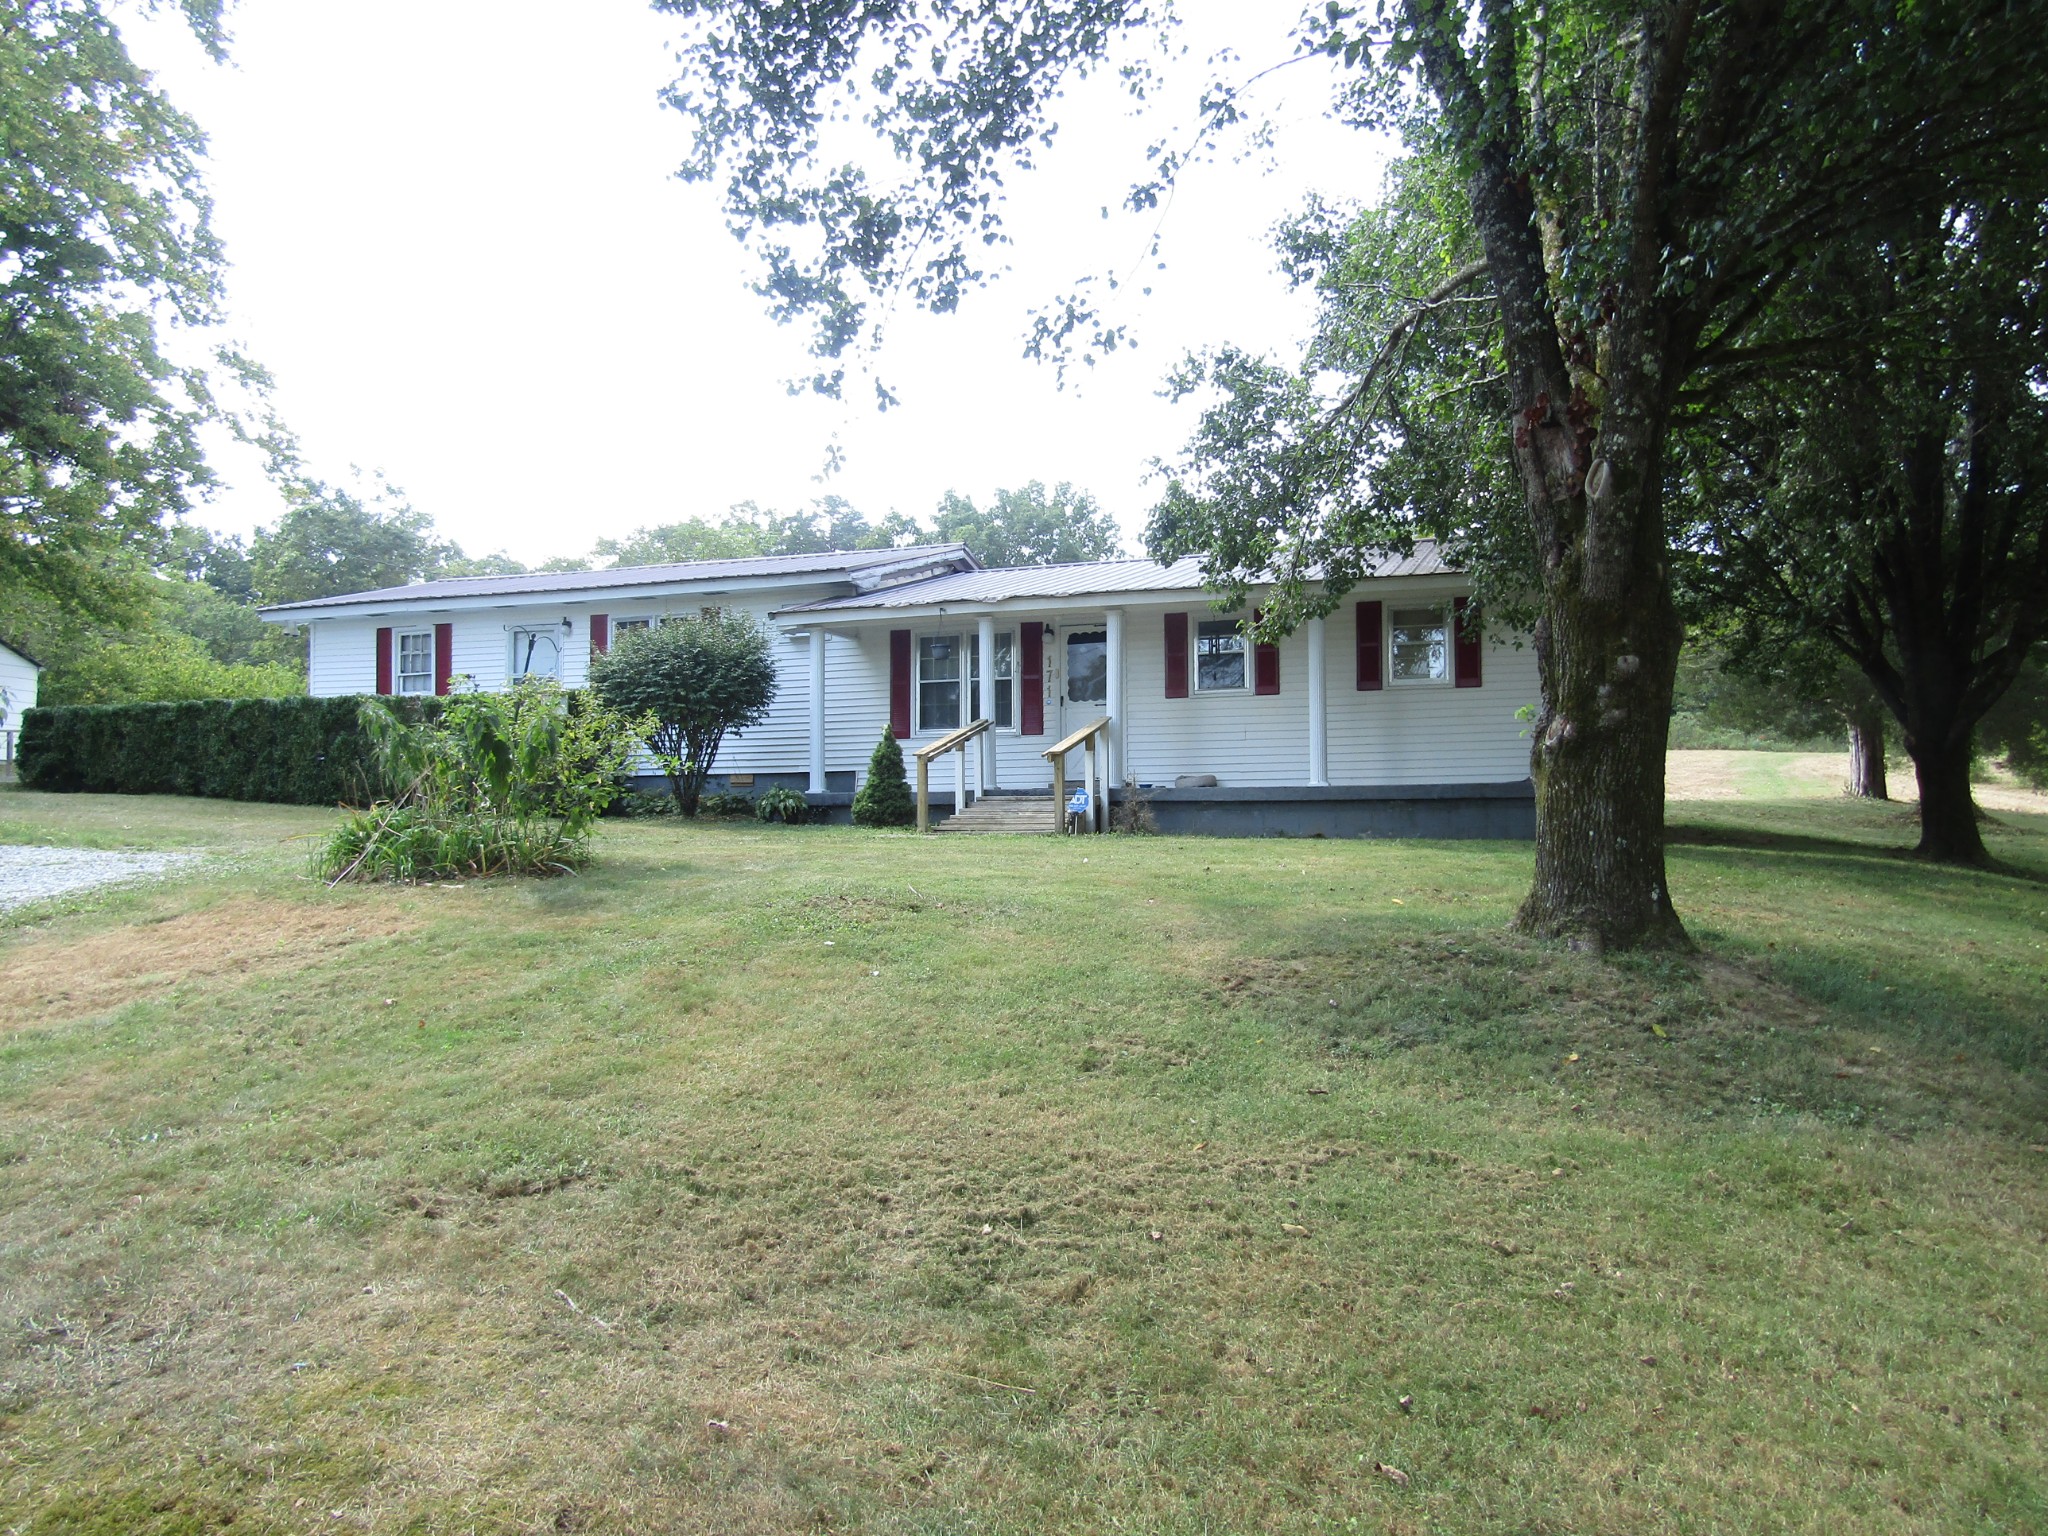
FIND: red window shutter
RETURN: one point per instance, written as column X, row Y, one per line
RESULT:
column 1372, row 629
column 1176, row 655
column 1265, row 664
column 444, row 657
column 1031, row 680
column 899, row 683
column 384, row 659
column 600, row 633
column 1465, row 644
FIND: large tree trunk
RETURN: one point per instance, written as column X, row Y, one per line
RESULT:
column 1866, row 753
column 1948, row 811
column 1588, row 436
column 1607, row 647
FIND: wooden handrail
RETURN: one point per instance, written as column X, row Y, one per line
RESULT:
column 1075, row 740
column 955, row 741
column 952, row 742
column 1057, row 756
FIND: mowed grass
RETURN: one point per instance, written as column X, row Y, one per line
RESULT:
column 772, row 1179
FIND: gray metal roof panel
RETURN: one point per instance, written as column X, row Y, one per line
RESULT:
column 832, row 562
column 1087, row 579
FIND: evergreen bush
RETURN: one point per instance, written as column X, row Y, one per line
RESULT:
column 884, row 800
column 297, row 751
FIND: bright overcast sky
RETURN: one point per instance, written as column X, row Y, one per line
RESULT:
column 459, row 244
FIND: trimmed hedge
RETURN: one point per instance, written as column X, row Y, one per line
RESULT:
column 292, row 751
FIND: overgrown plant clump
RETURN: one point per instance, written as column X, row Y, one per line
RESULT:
column 884, row 800
column 783, row 804
column 503, row 784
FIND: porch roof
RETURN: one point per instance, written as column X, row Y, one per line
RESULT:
column 1093, row 578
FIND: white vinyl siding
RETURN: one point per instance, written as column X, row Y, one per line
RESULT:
column 1408, row 735
column 1417, row 735
column 18, row 679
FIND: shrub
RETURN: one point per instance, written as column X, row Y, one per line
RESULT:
column 695, row 679
column 782, row 804
column 884, row 800
column 723, row 805
column 632, row 805
column 293, row 751
column 504, row 783
column 1132, row 811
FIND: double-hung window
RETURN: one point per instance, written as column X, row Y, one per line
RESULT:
column 627, row 626
column 1005, row 677
column 536, row 652
column 949, row 681
column 416, row 661
column 939, row 667
column 1419, row 644
column 1223, row 662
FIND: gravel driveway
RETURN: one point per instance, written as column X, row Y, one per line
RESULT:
column 36, row 874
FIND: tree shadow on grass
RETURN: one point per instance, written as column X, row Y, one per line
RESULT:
column 1838, row 851
column 1742, row 1030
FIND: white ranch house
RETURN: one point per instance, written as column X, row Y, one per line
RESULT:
column 1387, row 718
column 19, row 675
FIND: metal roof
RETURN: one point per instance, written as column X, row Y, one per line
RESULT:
column 1088, row 579
column 845, row 564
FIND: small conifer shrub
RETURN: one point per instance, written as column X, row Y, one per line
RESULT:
column 884, row 800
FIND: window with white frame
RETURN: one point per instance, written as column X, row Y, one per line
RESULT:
column 949, row 681
column 627, row 626
column 1005, row 677
column 537, row 652
column 1223, row 662
column 939, row 667
column 416, row 661
column 1419, row 644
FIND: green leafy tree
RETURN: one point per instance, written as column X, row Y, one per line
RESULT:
column 884, row 800
column 1643, row 180
column 1029, row 526
column 696, row 680
column 105, row 235
column 332, row 539
column 831, row 523
column 1895, row 509
column 161, row 667
column 2016, row 728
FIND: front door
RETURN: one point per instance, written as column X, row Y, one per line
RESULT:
column 1083, row 677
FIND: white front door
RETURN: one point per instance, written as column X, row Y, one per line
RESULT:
column 1081, row 673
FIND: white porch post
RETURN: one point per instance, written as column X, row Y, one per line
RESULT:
column 817, row 711
column 1113, row 738
column 985, row 704
column 1318, row 707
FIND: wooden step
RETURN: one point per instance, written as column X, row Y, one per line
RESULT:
column 1005, row 813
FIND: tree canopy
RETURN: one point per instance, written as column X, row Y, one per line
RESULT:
column 1895, row 508
column 697, row 679
column 1641, row 184
column 1029, row 526
column 105, row 239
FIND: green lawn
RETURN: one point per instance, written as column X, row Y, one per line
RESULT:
column 766, row 1179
